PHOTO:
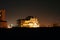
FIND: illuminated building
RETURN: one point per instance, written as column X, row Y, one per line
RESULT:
column 3, row 22
column 30, row 22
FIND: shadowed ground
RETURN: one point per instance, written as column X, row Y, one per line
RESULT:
column 17, row 31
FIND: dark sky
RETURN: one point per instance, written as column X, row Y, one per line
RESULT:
column 48, row 11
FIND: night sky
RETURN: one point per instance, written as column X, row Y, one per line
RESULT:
column 48, row 11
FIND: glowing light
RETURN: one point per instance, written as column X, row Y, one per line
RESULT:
column 32, row 23
column 10, row 25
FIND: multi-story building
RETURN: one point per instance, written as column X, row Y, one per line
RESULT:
column 30, row 21
column 3, row 22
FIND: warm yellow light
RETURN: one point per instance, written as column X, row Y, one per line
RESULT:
column 32, row 23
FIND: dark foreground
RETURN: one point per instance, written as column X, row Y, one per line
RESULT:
column 17, row 31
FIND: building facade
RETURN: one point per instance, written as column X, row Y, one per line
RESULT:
column 3, row 22
column 30, row 22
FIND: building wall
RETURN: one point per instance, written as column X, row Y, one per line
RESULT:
column 28, row 23
column 3, row 22
column 3, row 25
column 3, row 15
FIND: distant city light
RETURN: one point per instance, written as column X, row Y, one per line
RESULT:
column 10, row 25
